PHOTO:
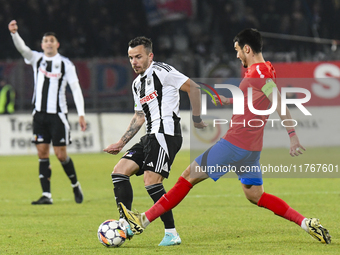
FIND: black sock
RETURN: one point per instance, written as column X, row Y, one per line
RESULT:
column 45, row 174
column 69, row 170
column 156, row 191
column 122, row 189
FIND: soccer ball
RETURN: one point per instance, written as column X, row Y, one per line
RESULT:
column 112, row 233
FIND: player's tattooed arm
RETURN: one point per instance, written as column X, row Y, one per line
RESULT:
column 135, row 124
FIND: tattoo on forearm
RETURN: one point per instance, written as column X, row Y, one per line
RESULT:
column 135, row 124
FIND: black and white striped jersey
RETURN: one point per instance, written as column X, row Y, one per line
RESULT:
column 51, row 76
column 157, row 94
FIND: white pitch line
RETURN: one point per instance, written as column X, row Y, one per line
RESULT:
column 203, row 196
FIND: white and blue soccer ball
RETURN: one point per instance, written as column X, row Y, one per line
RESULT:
column 112, row 233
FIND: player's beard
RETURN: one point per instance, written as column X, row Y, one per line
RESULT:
column 243, row 60
column 142, row 68
column 245, row 65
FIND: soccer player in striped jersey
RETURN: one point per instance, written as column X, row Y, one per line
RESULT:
column 156, row 96
column 52, row 73
column 240, row 147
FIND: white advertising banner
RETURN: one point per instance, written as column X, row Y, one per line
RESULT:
column 16, row 134
column 322, row 128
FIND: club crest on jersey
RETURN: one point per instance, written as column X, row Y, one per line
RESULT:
column 148, row 81
column 152, row 96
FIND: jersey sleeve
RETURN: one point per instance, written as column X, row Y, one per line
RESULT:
column 175, row 78
column 35, row 56
column 20, row 45
column 260, row 77
column 78, row 98
column 71, row 74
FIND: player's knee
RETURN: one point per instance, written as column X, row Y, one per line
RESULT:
column 186, row 173
column 61, row 155
column 193, row 178
column 126, row 167
column 253, row 201
column 43, row 151
column 116, row 170
column 121, row 169
column 252, row 198
column 62, row 158
column 253, row 192
column 151, row 178
column 43, row 154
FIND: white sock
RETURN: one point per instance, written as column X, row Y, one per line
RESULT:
column 304, row 226
column 47, row 194
column 171, row 231
column 144, row 220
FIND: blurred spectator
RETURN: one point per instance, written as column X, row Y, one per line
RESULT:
column 102, row 28
column 7, row 97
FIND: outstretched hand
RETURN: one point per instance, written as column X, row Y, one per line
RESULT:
column 114, row 148
column 200, row 125
column 82, row 123
column 224, row 100
column 295, row 146
column 13, row 27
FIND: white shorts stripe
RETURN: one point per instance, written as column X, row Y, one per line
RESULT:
column 162, row 142
column 160, row 160
column 67, row 127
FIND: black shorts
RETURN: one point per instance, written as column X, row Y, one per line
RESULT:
column 51, row 127
column 155, row 152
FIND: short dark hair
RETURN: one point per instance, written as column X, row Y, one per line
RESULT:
column 252, row 37
column 141, row 40
column 50, row 34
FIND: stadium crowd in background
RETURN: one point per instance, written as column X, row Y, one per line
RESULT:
column 101, row 28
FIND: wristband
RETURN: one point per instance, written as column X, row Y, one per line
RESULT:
column 291, row 132
column 196, row 119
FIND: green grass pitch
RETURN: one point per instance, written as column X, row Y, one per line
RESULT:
column 215, row 218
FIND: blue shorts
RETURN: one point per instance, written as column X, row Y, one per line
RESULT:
column 224, row 157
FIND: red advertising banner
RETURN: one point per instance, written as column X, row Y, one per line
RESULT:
column 321, row 79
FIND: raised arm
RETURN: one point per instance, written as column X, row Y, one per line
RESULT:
column 194, row 94
column 136, row 123
column 295, row 145
column 19, row 43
